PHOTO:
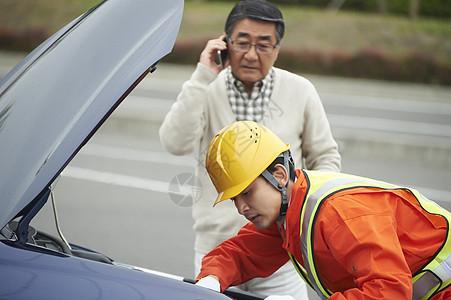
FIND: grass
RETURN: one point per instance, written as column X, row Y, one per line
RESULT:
column 332, row 34
column 327, row 31
column 48, row 14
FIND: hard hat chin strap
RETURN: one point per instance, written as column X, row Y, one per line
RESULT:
column 283, row 190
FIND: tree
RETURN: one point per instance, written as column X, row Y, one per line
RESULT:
column 382, row 6
column 414, row 9
column 335, row 4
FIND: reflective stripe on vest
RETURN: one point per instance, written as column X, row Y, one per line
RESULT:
column 434, row 277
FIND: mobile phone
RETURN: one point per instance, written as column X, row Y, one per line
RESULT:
column 222, row 57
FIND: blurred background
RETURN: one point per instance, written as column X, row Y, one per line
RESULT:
column 382, row 69
column 402, row 40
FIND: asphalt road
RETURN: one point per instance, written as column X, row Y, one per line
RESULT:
column 115, row 196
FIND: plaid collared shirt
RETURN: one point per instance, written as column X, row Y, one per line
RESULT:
column 249, row 107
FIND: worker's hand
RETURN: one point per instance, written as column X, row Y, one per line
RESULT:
column 210, row 282
column 277, row 297
column 209, row 54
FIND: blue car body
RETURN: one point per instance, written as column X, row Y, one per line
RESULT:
column 28, row 273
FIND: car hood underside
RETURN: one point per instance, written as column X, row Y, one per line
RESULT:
column 53, row 101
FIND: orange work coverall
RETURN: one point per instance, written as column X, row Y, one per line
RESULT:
column 367, row 244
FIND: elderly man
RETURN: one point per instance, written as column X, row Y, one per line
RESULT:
column 248, row 88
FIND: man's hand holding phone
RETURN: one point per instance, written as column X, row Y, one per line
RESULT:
column 215, row 51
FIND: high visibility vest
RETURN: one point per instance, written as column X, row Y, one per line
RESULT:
column 432, row 278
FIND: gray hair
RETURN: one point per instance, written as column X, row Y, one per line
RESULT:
column 260, row 10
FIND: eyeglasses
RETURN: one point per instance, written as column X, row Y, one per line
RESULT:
column 245, row 46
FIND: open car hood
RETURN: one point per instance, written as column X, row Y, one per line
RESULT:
column 54, row 100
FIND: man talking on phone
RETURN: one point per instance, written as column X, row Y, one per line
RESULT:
column 247, row 86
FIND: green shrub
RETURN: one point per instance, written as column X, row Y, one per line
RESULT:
column 428, row 8
column 13, row 39
column 370, row 62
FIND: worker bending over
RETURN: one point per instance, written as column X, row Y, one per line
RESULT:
column 349, row 237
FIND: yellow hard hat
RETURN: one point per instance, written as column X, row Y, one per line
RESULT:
column 238, row 154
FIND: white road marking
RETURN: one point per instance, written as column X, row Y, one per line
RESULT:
column 130, row 154
column 390, row 125
column 163, row 187
column 116, row 179
column 123, row 153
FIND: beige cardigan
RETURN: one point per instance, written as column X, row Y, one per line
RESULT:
column 295, row 113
